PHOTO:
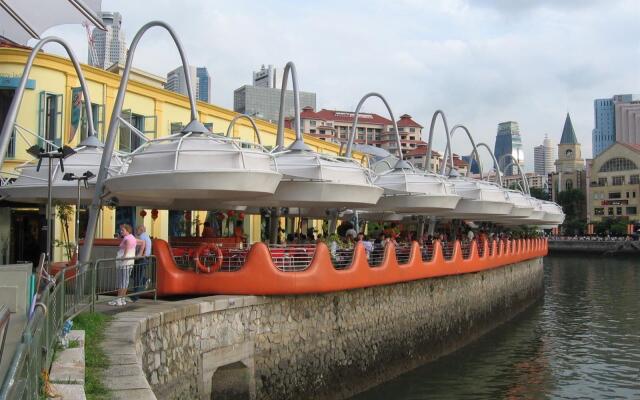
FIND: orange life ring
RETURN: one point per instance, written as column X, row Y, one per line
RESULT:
column 211, row 247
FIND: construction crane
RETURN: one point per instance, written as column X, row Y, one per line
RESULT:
column 93, row 55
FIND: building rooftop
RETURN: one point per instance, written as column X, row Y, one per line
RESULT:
column 406, row 121
column 568, row 134
column 343, row 116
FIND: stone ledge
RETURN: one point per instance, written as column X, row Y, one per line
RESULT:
column 68, row 366
column 70, row 392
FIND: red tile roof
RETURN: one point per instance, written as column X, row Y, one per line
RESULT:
column 343, row 116
column 420, row 151
column 406, row 121
column 634, row 147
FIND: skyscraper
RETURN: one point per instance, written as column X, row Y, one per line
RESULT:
column 204, row 84
column 200, row 77
column 544, row 156
column 604, row 113
column 110, row 45
column 509, row 142
column 268, row 77
column 262, row 99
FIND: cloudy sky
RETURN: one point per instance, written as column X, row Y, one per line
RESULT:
column 480, row 61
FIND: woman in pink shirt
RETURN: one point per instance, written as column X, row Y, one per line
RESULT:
column 126, row 252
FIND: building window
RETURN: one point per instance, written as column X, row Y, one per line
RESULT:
column 615, row 195
column 412, row 129
column 632, row 210
column 11, row 148
column 609, row 211
column 50, row 117
column 634, row 179
column 618, row 210
column 138, row 127
column 97, row 112
column 598, row 211
column 312, row 123
column 618, row 164
column 602, row 181
column 618, row 180
column 627, row 195
column 568, row 184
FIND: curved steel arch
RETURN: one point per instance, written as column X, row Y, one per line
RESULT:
column 194, row 126
column 446, row 129
column 514, row 162
column 253, row 124
column 401, row 163
column 495, row 162
column 474, row 152
column 12, row 113
column 298, row 144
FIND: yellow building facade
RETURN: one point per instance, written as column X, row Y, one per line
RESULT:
column 46, row 110
column 614, row 184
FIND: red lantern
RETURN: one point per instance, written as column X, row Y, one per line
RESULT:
column 143, row 213
column 154, row 214
column 220, row 216
column 231, row 213
column 241, row 216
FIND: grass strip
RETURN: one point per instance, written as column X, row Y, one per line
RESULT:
column 95, row 359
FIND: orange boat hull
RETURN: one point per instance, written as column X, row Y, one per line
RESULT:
column 260, row 276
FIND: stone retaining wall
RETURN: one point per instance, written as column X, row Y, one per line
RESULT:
column 318, row 346
column 609, row 247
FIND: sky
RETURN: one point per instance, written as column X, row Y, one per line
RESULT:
column 480, row 61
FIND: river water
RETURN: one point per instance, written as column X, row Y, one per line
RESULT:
column 582, row 341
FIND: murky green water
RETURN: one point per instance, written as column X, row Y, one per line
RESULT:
column 581, row 342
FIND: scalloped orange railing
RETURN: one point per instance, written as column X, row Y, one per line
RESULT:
column 259, row 275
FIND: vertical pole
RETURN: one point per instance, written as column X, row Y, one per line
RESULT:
column 49, row 218
column 78, row 224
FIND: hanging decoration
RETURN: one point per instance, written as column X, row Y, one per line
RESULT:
column 143, row 213
column 154, row 214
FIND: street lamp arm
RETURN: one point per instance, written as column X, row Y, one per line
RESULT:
column 298, row 144
column 495, row 162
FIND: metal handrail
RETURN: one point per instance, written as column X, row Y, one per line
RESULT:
column 74, row 290
column 5, row 317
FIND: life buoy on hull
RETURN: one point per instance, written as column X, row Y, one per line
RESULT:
column 206, row 249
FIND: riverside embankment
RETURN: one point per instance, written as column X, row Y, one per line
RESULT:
column 308, row 346
column 599, row 247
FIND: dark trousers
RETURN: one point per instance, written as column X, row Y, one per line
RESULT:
column 139, row 277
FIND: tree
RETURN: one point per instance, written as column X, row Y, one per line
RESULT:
column 539, row 193
column 574, row 205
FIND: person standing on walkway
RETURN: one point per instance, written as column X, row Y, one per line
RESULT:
column 124, row 262
column 140, row 266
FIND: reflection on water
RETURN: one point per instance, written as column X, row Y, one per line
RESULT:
column 582, row 341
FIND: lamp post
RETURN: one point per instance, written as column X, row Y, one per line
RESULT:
column 60, row 154
column 84, row 178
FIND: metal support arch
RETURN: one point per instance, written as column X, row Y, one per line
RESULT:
column 446, row 130
column 474, row 152
column 523, row 177
column 193, row 126
column 253, row 124
column 401, row 163
column 514, row 162
column 298, row 144
column 12, row 113
column 495, row 162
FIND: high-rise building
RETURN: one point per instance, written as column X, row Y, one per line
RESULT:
column 199, row 76
column 544, row 156
column 473, row 164
column 204, row 84
column 264, row 102
column 604, row 112
column 110, row 46
column 628, row 121
column 509, row 142
column 269, row 77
